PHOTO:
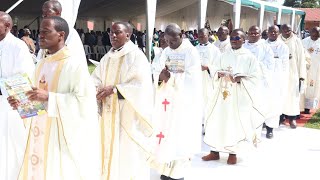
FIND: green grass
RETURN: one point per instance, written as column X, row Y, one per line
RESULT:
column 91, row 68
column 314, row 122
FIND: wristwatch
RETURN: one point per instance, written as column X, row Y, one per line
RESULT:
column 114, row 90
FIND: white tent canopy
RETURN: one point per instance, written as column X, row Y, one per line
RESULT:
column 183, row 12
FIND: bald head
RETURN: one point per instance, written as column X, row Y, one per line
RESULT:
column 172, row 29
column 173, row 36
column 127, row 28
column 286, row 26
column 5, row 24
column 6, row 18
column 254, row 34
column 274, row 28
column 51, row 8
column 286, row 30
column 203, row 36
column 223, row 33
column 315, row 33
column 255, row 28
column 273, row 33
column 239, row 32
column 205, row 31
column 237, row 38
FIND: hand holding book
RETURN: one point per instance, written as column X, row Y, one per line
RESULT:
column 25, row 99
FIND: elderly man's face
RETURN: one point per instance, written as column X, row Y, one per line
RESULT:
column 47, row 10
column 118, row 35
column 173, row 40
column 286, row 32
column 203, row 38
column 273, row 34
column 254, row 35
column 3, row 29
column 49, row 38
column 222, row 34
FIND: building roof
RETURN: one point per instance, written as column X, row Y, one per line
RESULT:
column 312, row 14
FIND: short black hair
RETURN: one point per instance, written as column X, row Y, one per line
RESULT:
column 60, row 25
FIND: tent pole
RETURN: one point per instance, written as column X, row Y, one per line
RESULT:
column 202, row 13
column 261, row 17
column 237, row 12
column 151, row 18
column 13, row 6
column 293, row 18
column 279, row 16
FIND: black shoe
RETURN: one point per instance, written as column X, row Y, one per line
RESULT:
column 293, row 124
column 264, row 125
column 269, row 135
column 163, row 177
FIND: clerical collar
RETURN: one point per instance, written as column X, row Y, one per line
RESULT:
column 205, row 44
column 119, row 49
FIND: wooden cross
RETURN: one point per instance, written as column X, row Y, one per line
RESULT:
column 165, row 103
column 160, row 136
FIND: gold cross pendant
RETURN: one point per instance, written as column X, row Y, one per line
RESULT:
column 225, row 94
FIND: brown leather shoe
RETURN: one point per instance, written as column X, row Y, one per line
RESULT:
column 211, row 157
column 232, row 159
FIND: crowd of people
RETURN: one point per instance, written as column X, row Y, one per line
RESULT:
column 131, row 115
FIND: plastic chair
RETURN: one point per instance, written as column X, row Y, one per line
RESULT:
column 101, row 51
column 87, row 51
column 108, row 48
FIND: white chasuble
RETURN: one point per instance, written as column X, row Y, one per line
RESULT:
column 279, row 78
column 234, row 117
column 178, row 105
column 14, row 58
column 57, row 146
column 297, row 70
column 208, row 55
column 313, row 80
column 125, row 123
column 280, row 75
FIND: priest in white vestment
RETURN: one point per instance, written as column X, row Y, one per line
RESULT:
column 178, row 106
column 312, row 94
column 63, row 143
column 279, row 78
column 223, row 42
column 158, row 51
column 297, row 74
column 124, row 88
column 55, row 8
column 265, row 56
column 234, row 118
column 208, row 55
column 14, row 58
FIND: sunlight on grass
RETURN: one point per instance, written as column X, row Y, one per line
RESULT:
column 314, row 122
column 91, row 68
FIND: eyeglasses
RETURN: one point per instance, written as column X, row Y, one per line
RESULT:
column 237, row 38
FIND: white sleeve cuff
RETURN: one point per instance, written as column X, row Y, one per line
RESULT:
column 52, row 105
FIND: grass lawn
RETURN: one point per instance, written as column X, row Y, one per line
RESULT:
column 91, row 68
column 314, row 122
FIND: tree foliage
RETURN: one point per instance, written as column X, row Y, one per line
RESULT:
column 302, row 3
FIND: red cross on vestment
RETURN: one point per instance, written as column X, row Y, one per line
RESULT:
column 165, row 103
column 160, row 136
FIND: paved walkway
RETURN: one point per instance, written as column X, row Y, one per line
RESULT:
column 293, row 154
